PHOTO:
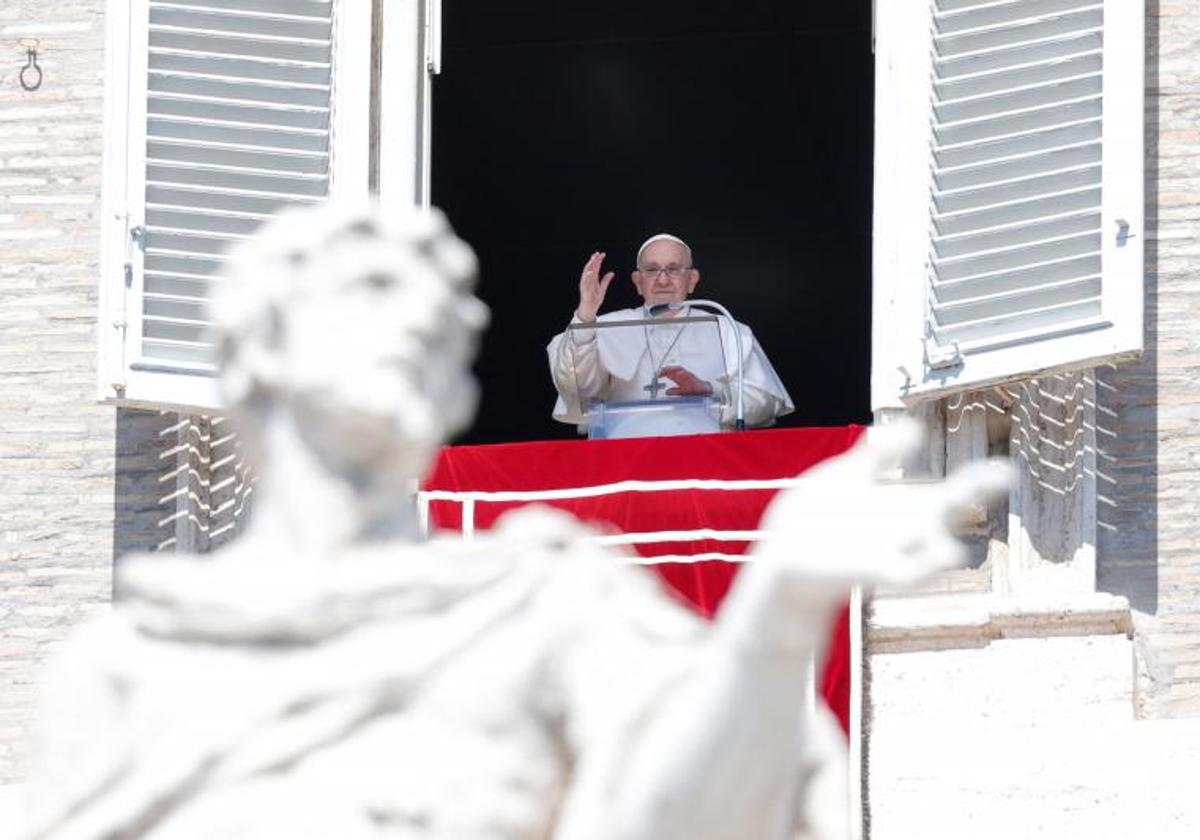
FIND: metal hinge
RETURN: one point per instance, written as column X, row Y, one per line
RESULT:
column 939, row 357
column 118, row 313
column 1123, row 234
column 137, row 238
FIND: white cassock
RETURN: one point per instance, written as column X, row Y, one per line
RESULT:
column 619, row 364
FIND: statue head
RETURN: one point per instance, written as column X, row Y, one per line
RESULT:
column 357, row 329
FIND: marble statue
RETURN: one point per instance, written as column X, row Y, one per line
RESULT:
column 330, row 674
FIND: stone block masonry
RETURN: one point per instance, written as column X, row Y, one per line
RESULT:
column 58, row 447
column 81, row 484
column 1148, row 418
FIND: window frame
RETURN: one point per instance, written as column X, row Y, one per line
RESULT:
column 411, row 57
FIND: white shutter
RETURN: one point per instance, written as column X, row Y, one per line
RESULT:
column 234, row 109
column 411, row 57
column 1018, row 247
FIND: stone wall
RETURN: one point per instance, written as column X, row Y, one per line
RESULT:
column 56, row 443
column 63, row 515
column 81, row 484
column 1148, row 418
column 1036, row 738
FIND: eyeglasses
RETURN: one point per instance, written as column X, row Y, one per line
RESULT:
column 672, row 271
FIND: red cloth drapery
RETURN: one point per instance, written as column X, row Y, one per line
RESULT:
column 556, row 465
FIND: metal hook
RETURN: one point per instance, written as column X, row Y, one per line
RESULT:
column 31, row 64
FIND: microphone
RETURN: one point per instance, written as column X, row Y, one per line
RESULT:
column 657, row 309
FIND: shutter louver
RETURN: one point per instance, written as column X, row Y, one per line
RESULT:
column 1017, row 141
column 237, row 126
column 1016, row 250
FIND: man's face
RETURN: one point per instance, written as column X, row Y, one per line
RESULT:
column 665, row 273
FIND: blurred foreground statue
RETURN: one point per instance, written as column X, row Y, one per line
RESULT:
column 331, row 675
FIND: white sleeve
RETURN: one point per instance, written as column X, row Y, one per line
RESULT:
column 764, row 396
column 578, row 374
column 760, row 406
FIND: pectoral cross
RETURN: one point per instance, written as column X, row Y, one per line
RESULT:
column 654, row 387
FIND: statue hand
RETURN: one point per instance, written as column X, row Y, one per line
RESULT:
column 846, row 524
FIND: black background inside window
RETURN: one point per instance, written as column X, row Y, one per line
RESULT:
column 745, row 128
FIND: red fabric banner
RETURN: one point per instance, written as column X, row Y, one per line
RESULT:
column 557, row 465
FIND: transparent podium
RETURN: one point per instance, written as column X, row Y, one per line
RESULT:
column 622, row 371
column 654, row 418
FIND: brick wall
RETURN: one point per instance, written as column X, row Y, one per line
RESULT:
column 1149, row 413
column 63, row 517
column 81, row 484
column 56, row 445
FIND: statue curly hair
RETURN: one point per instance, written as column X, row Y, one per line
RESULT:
column 390, row 300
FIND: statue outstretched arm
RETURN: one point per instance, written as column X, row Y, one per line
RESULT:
column 717, row 756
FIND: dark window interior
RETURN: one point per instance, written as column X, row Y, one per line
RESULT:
column 745, row 128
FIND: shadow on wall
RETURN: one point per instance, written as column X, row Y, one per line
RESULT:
column 1127, row 397
column 144, row 491
column 182, row 483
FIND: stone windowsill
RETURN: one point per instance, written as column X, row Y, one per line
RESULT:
column 954, row 621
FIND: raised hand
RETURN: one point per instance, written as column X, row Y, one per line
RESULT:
column 592, row 287
column 687, row 384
